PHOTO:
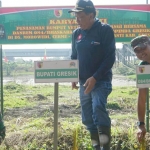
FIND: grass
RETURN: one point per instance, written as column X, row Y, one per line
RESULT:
column 123, row 92
column 122, row 117
column 14, row 96
column 34, row 131
column 12, row 102
column 132, row 77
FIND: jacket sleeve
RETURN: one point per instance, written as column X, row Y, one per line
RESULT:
column 74, row 51
column 108, row 45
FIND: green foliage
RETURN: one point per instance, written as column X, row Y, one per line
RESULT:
column 113, row 105
column 123, row 92
column 9, row 67
column 82, row 138
column 13, row 87
column 132, row 77
column 143, row 145
column 14, row 97
column 124, row 70
column 124, row 97
column 12, row 102
column 124, row 139
column 17, row 68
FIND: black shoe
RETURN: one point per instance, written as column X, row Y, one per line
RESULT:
column 97, row 147
column 95, row 140
column 107, row 132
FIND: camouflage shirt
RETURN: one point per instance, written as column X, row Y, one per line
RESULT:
column 144, row 63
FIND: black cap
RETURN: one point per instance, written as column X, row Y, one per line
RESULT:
column 137, row 41
column 83, row 5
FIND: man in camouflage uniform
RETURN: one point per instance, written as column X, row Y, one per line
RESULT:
column 141, row 47
column 2, row 129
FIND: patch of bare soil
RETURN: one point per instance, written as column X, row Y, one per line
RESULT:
column 20, row 116
column 40, row 110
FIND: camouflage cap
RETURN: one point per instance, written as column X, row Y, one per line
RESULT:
column 137, row 41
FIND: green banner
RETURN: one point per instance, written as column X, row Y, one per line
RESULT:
column 56, row 73
column 55, row 25
column 143, row 79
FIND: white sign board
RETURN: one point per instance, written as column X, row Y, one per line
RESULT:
column 56, row 71
column 143, row 76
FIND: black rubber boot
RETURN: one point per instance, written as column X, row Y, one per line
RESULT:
column 95, row 140
column 105, row 137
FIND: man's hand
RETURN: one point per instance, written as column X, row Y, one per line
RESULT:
column 89, row 84
column 74, row 85
column 141, row 133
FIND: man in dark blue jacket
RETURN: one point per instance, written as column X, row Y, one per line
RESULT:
column 93, row 44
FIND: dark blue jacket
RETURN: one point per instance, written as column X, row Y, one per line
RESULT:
column 95, row 50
